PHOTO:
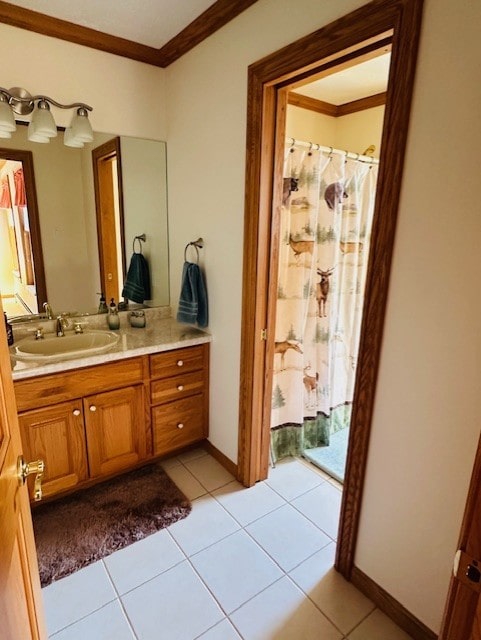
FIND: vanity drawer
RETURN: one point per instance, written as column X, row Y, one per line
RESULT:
column 178, row 423
column 171, row 363
column 42, row 391
column 177, row 387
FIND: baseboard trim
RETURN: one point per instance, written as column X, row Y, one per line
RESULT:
column 391, row 607
column 226, row 462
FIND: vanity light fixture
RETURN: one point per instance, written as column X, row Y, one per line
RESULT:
column 42, row 126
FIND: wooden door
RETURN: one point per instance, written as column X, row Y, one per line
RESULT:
column 462, row 616
column 110, row 225
column 114, row 422
column 21, row 615
column 56, row 434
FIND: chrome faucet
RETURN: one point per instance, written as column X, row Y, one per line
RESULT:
column 48, row 310
column 62, row 323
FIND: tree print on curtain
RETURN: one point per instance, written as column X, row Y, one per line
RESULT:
column 327, row 209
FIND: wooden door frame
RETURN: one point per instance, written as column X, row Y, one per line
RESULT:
column 267, row 101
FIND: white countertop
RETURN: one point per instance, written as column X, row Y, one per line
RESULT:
column 158, row 335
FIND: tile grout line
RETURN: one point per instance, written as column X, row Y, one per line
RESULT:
column 284, row 572
column 70, row 624
column 242, row 527
column 119, row 599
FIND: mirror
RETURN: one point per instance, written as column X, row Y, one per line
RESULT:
column 67, row 215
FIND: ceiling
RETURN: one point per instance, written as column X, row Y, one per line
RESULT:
column 360, row 81
column 153, row 31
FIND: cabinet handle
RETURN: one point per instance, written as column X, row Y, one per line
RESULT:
column 180, row 387
column 180, row 425
column 180, row 363
column 76, row 412
column 93, row 408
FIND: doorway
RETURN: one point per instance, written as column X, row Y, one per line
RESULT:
column 334, row 129
column 353, row 36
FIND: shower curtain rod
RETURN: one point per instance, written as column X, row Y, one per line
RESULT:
column 317, row 147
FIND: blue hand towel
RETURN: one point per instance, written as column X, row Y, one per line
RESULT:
column 193, row 307
column 137, row 283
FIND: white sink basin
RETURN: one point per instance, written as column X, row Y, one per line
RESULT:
column 72, row 345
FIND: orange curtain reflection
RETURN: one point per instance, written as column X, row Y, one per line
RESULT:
column 20, row 195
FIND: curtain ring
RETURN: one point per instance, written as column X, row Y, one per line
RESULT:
column 291, row 150
column 309, row 153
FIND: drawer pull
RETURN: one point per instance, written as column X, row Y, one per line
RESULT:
column 180, row 387
column 93, row 408
column 180, row 425
column 180, row 363
column 76, row 412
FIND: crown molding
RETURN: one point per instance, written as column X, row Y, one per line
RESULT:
column 215, row 17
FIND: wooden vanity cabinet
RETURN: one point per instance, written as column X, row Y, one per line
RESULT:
column 93, row 435
column 179, row 393
column 91, row 423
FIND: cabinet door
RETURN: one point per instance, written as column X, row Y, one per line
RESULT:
column 56, row 435
column 114, row 423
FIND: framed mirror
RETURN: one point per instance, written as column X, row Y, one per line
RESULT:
column 67, row 221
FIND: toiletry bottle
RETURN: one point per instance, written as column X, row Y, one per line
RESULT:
column 102, row 304
column 113, row 317
column 9, row 330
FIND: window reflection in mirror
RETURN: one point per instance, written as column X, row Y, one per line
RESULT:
column 22, row 279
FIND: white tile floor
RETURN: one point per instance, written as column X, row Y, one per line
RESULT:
column 246, row 563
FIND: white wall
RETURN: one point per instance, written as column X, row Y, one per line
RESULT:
column 310, row 126
column 426, row 415
column 354, row 132
column 358, row 131
column 145, row 193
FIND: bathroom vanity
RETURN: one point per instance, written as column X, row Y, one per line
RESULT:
column 91, row 418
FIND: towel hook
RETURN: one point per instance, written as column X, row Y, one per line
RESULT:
column 197, row 244
column 141, row 238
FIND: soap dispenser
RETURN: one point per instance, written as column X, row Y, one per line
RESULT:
column 113, row 317
column 102, row 304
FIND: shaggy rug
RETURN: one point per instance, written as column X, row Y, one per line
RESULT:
column 75, row 531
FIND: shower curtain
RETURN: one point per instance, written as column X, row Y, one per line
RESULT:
column 327, row 210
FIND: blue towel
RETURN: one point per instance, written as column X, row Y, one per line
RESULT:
column 193, row 307
column 137, row 283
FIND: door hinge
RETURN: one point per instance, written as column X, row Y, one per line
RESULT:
column 467, row 570
column 263, row 334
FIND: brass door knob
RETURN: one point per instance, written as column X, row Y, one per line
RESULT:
column 25, row 469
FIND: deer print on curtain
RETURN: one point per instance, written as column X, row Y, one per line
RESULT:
column 327, row 209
